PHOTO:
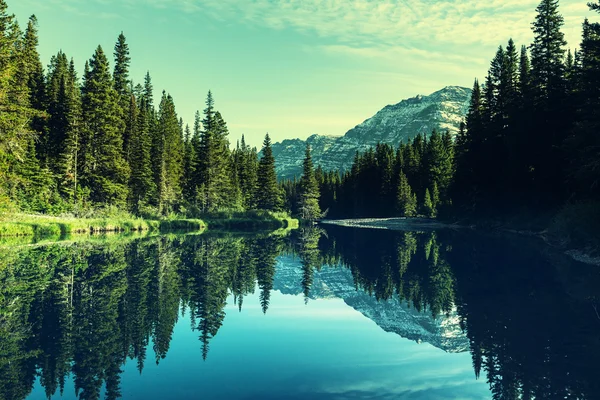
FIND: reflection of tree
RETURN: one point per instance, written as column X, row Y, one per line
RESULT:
column 55, row 316
column 85, row 308
column 135, row 314
column 18, row 286
column 532, row 338
column 166, row 289
column 97, row 353
column 308, row 249
column 411, row 265
column 243, row 276
column 208, row 274
column 266, row 250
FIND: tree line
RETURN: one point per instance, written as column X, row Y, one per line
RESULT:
column 530, row 136
column 412, row 179
column 530, row 140
column 71, row 144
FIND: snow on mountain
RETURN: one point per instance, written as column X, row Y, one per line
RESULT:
column 289, row 154
column 393, row 315
column 442, row 110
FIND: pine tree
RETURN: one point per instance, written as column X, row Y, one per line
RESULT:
column 189, row 167
column 552, row 118
column 121, row 71
column 583, row 144
column 470, row 155
column 122, row 86
column 406, row 203
column 34, row 74
column 247, row 173
column 16, row 138
column 226, row 183
column 216, row 189
column 435, row 196
column 268, row 195
column 548, row 50
column 309, row 190
column 439, row 163
column 64, row 124
column 169, row 168
column 428, row 208
column 103, row 169
column 149, row 92
column 142, row 182
column 58, row 122
column 196, row 162
column 524, row 74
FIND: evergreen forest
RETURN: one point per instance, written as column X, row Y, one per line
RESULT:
column 529, row 144
column 75, row 145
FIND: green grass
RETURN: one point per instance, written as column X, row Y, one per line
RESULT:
column 249, row 220
column 169, row 225
column 43, row 227
column 21, row 241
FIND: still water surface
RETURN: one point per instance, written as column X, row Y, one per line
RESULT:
column 335, row 313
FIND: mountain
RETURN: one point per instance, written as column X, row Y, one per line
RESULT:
column 289, row 154
column 442, row 110
column 392, row 315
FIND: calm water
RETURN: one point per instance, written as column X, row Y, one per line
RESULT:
column 338, row 313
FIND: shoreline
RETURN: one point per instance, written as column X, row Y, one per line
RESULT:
column 398, row 224
column 39, row 227
column 411, row 224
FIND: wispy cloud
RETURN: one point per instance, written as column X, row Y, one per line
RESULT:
column 373, row 28
column 384, row 22
column 391, row 22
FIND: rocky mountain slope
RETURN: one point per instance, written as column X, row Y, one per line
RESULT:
column 392, row 315
column 442, row 110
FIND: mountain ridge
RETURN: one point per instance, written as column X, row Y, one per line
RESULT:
column 442, row 110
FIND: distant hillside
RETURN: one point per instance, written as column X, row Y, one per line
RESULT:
column 442, row 110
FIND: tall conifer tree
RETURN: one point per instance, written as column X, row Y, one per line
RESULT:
column 267, row 195
column 103, row 168
column 309, row 189
column 142, row 183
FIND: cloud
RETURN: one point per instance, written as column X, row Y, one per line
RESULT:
column 383, row 24
column 391, row 22
column 452, row 37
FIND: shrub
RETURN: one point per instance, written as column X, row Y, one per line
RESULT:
column 576, row 225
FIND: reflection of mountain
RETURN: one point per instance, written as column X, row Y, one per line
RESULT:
column 391, row 315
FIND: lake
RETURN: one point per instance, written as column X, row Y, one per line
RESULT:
column 319, row 313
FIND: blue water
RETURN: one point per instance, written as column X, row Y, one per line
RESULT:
column 320, row 350
column 318, row 314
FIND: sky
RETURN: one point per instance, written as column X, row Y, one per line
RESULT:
column 293, row 68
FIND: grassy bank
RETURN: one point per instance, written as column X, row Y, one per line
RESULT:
column 40, row 227
column 249, row 220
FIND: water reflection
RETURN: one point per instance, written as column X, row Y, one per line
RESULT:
column 80, row 310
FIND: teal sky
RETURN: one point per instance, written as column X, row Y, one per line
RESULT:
column 293, row 67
